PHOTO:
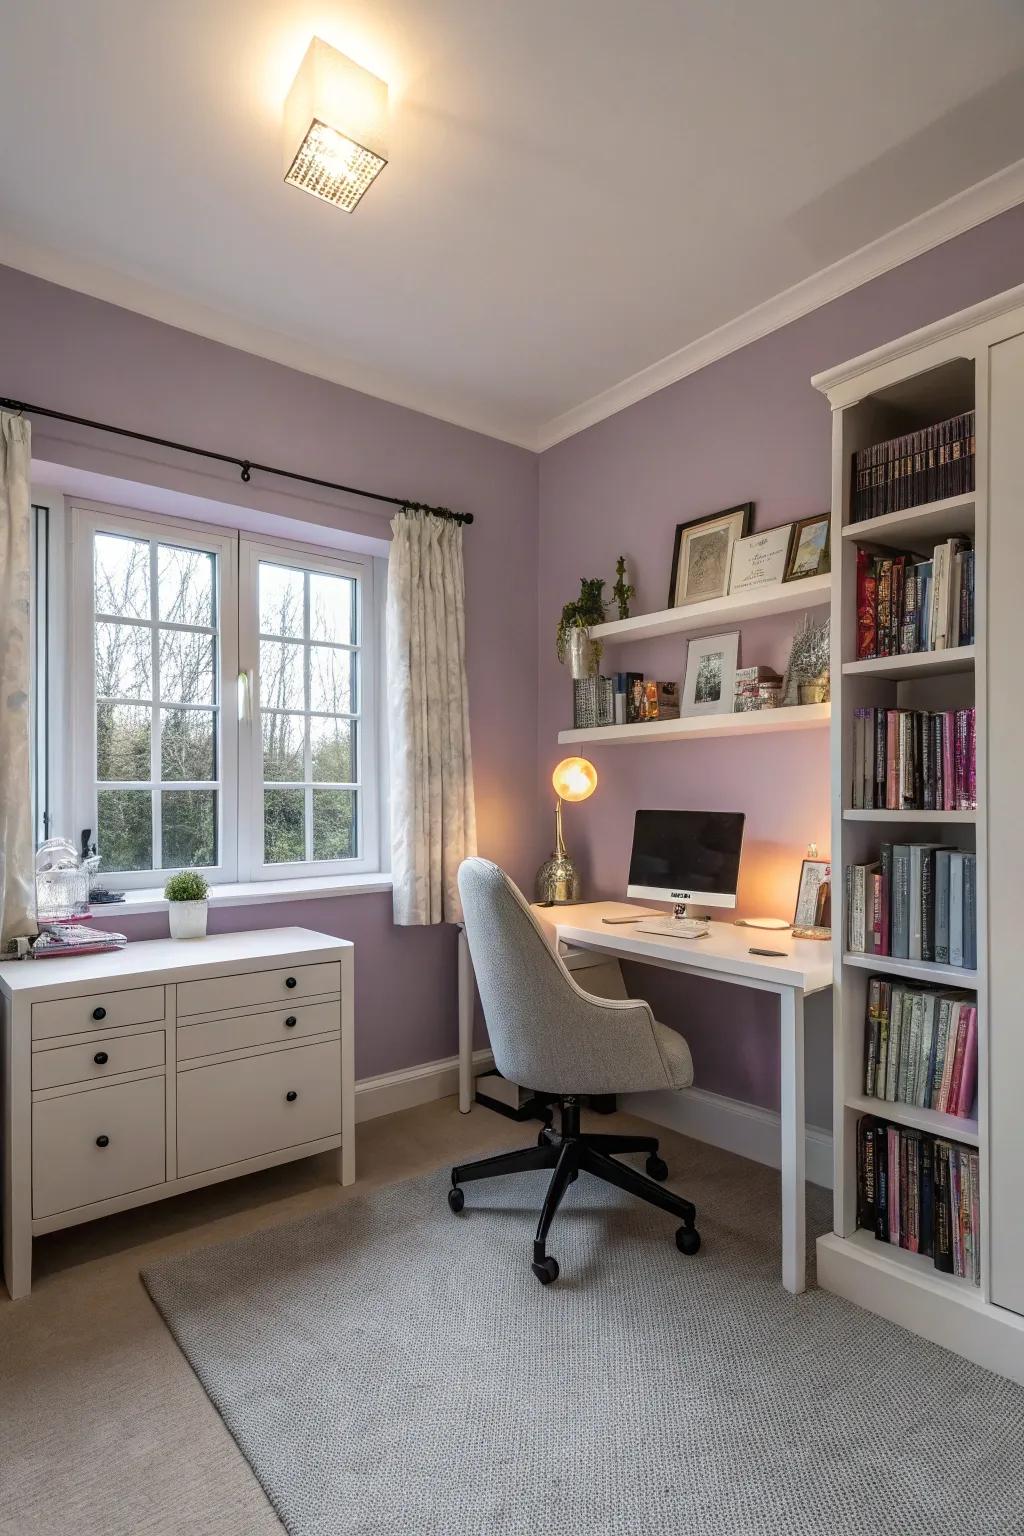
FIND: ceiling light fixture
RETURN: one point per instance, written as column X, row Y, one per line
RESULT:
column 334, row 120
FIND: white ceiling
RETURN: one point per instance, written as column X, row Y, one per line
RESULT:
column 576, row 188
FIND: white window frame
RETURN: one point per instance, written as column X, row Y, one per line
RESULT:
column 86, row 521
column 367, row 715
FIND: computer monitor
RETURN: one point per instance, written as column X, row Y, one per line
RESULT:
column 685, row 856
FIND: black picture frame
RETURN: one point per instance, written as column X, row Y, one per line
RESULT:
column 747, row 509
column 825, row 556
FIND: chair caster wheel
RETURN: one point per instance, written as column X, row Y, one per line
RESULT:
column 542, row 1138
column 657, row 1168
column 456, row 1200
column 687, row 1240
column 546, row 1271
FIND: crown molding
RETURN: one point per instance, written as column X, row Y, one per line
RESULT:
column 954, row 217
column 186, row 314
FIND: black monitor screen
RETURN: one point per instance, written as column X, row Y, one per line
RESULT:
column 687, row 851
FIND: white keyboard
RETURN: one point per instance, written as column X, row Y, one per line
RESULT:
column 677, row 927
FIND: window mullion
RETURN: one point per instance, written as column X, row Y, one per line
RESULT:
column 154, row 733
column 307, row 732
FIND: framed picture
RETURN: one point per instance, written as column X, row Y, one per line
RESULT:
column 703, row 554
column 760, row 560
column 711, row 675
column 813, row 916
column 808, row 553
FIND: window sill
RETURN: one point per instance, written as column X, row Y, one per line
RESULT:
column 252, row 893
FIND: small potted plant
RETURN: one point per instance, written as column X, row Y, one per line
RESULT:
column 573, row 637
column 186, row 894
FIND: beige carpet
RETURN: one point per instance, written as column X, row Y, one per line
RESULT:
column 390, row 1369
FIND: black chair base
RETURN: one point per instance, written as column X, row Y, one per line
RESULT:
column 568, row 1153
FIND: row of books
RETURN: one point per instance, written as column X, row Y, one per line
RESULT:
column 907, row 604
column 917, row 467
column 914, row 759
column 921, row 1047
column 921, row 1193
column 918, row 901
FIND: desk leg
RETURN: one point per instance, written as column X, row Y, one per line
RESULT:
column 794, row 1237
column 465, row 1025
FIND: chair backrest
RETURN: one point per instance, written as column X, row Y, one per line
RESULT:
column 545, row 1032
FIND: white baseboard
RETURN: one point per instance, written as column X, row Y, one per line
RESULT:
column 732, row 1124
column 392, row 1091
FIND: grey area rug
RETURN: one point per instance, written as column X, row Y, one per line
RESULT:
column 387, row 1367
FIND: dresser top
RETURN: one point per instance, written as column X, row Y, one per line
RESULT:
column 174, row 959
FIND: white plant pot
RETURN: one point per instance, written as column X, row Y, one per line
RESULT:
column 187, row 919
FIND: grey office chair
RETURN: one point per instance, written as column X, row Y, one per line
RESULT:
column 548, row 1034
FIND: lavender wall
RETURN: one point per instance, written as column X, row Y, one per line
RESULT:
column 64, row 350
column 747, row 428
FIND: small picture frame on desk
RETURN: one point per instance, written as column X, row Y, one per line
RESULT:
column 813, row 916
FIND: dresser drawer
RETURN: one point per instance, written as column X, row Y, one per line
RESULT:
column 286, row 985
column 215, row 1035
column 99, row 1059
column 234, row 1110
column 72, row 1015
column 97, row 1144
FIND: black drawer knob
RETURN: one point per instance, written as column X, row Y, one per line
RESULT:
column 99, row 1013
column 290, row 981
column 103, row 1141
column 101, row 1058
column 291, row 1095
column 291, row 1021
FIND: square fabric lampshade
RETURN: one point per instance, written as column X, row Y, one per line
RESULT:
column 335, row 121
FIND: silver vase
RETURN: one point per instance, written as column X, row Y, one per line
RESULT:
column 583, row 654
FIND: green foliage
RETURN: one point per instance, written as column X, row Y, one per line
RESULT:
column 622, row 591
column 586, row 610
column 188, row 886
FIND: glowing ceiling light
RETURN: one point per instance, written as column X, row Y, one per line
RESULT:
column 336, row 115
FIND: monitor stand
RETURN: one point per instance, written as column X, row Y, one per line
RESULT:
column 685, row 925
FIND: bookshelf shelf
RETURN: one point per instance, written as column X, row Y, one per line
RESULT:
column 950, row 1126
column 761, row 603
column 949, row 818
column 918, row 1265
column 925, row 525
column 919, row 664
column 801, row 717
column 915, row 970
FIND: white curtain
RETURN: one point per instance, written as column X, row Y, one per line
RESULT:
column 17, row 877
column 433, row 817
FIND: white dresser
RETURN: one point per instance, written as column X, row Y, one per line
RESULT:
column 129, row 1077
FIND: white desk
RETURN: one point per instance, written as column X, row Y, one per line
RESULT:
column 723, row 956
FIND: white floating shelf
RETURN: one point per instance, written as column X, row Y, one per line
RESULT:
column 929, row 523
column 761, row 603
column 920, row 664
column 916, row 970
column 799, row 717
column 951, row 818
column 930, row 1120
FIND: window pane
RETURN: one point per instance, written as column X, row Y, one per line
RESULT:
column 121, row 574
column 187, row 744
column 281, row 601
column 186, row 667
column 124, row 662
column 124, row 834
column 284, row 738
column 334, row 824
column 188, row 828
column 122, row 741
column 281, row 675
column 284, row 839
column 330, row 680
column 185, row 585
column 332, row 745
column 332, row 609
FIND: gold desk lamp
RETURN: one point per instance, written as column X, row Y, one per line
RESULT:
column 558, row 883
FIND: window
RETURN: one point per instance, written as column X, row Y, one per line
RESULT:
column 221, row 696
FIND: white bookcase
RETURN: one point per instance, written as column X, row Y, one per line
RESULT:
column 973, row 360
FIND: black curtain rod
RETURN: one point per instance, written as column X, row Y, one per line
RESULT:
column 246, row 466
